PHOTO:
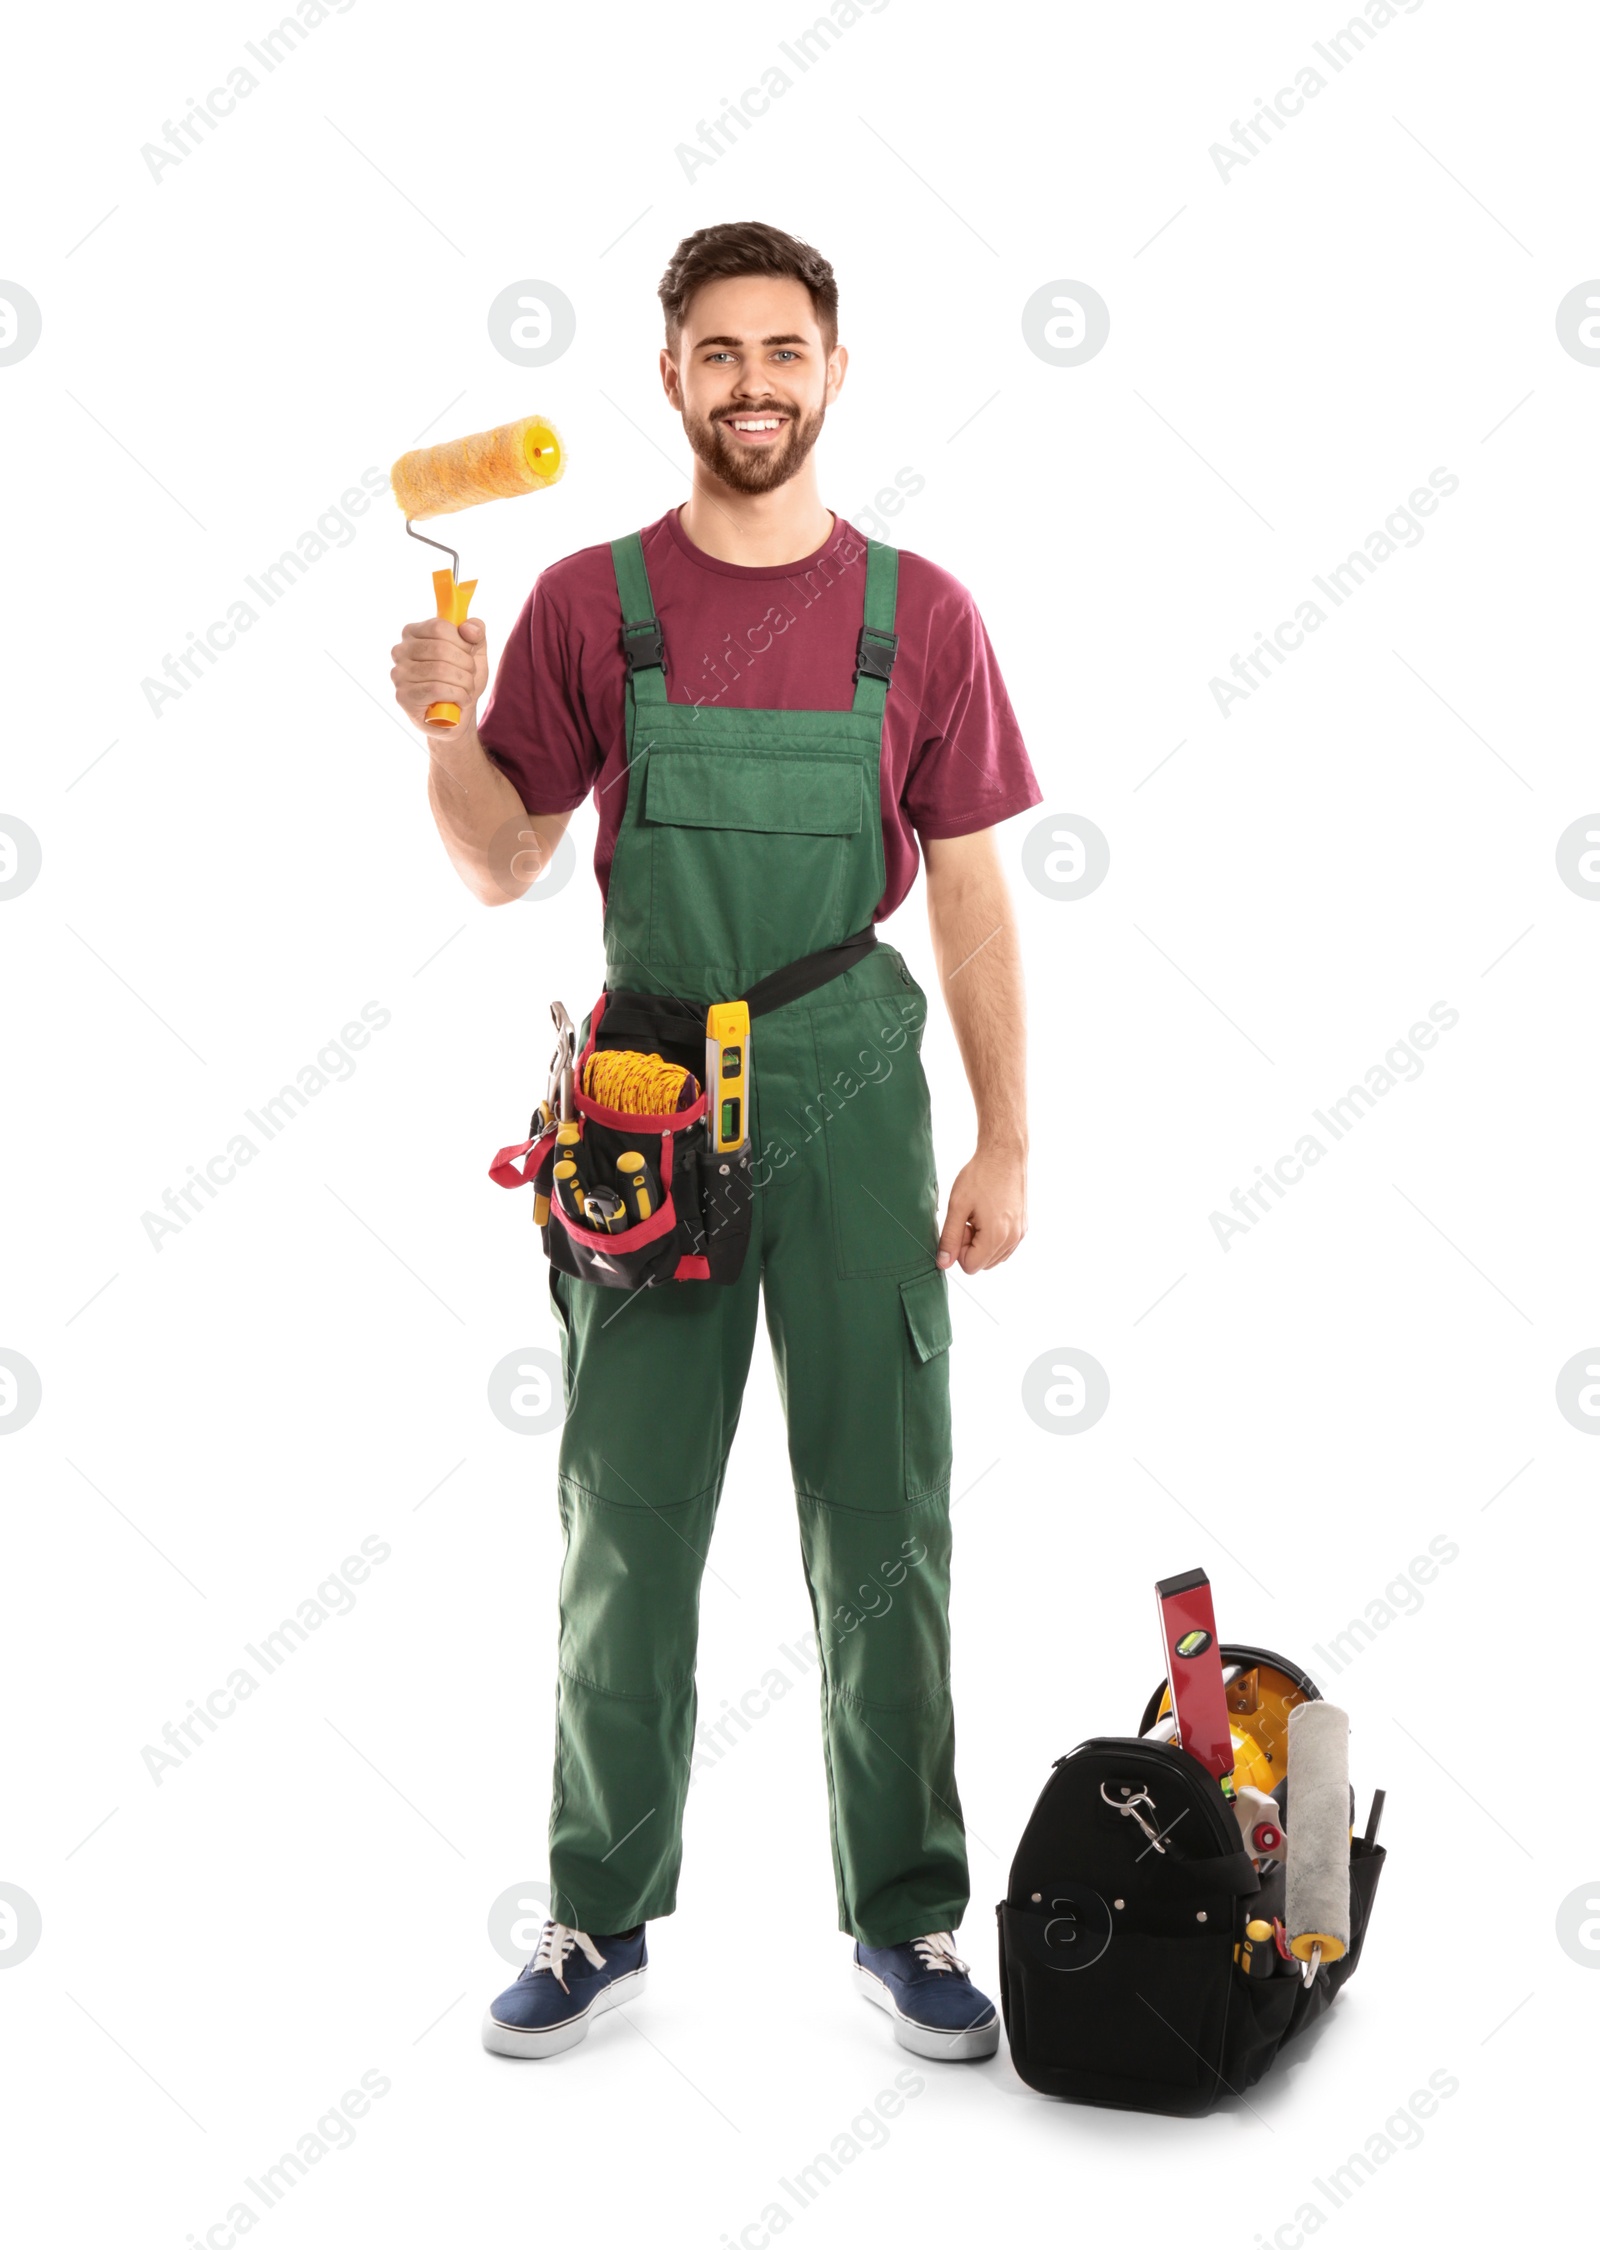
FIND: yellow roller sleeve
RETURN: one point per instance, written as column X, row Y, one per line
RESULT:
column 525, row 456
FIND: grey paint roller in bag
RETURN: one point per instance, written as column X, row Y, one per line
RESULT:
column 1317, row 1911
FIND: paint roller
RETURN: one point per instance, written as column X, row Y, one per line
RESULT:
column 524, row 456
column 1317, row 1908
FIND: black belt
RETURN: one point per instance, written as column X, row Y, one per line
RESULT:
column 807, row 974
column 648, row 1017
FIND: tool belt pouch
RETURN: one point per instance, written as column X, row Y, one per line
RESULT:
column 700, row 1198
column 699, row 1223
column 1117, row 1971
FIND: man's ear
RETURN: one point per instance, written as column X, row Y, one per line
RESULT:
column 838, row 361
column 669, row 378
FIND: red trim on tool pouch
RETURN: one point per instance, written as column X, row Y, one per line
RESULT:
column 640, row 1121
column 645, row 1231
column 624, row 1120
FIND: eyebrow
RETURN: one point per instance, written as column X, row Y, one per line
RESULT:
column 704, row 342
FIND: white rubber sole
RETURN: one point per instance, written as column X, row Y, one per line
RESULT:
column 933, row 2046
column 532, row 2046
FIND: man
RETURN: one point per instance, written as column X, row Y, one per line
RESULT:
column 771, row 712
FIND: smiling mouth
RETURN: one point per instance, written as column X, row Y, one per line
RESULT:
column 753, row 429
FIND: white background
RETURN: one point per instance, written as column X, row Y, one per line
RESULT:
column 305, row 1363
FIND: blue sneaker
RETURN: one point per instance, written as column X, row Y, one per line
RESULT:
column 571, row 1979
column 938, row 2012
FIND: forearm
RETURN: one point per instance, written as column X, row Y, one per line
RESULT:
column 496, row 847
column 976, row 949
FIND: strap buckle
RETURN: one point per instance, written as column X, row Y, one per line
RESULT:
column 875, row 654
column 644, row 646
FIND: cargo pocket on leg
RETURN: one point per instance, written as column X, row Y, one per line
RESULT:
column 925, row 1301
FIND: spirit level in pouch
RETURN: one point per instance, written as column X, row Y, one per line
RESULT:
column 728, row 1074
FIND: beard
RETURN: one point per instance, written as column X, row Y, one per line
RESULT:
column 747, row 469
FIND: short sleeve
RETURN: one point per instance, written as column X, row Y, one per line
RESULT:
column 534, row 725
column 970, row 767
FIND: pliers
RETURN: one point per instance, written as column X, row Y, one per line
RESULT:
column 558, row 1106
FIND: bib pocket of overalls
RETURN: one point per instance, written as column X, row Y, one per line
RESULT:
column 871, row 1108
column 925, row 1300
column 760, row 842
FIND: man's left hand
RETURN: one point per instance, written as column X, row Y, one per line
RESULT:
column 988, row 1212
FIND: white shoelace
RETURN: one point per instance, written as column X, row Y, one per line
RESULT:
column 555, row 1943
column 938, row 1951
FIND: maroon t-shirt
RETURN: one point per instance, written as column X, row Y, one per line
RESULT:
column 775, row 638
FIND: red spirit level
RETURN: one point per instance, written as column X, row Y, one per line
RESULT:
column 1194, row 1670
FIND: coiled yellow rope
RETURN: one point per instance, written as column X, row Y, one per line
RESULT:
column 639, row 1085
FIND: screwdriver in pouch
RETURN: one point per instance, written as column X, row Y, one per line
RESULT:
column 568, row 1135
column 1255, row 1954
column 568, row 1194
column 636, row 1181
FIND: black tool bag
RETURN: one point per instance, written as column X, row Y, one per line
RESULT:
column 701, row 1198
column 1119, row 1978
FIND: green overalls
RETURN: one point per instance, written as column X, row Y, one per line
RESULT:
column 749, row 839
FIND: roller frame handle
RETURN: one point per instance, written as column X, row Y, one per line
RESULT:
column 451, row 602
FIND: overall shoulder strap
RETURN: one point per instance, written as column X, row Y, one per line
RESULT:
column 875, row 649
column 643, row 649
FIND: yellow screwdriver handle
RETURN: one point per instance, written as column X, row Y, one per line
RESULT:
column 450, row 602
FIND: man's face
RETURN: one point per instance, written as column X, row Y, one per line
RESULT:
column 752, row 378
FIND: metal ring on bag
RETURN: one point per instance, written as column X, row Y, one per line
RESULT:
column 1130, row 1806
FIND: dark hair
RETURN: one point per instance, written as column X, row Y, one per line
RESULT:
column 747, row 246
